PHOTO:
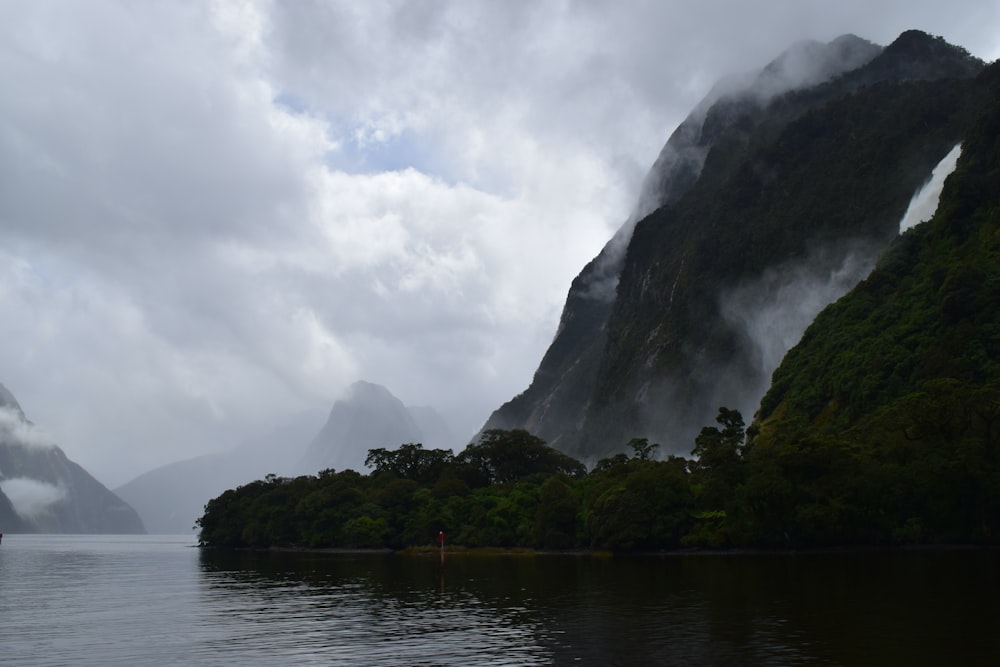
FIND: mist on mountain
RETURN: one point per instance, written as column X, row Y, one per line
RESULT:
column 771, row 200
column 43, row 491
column 169, row 498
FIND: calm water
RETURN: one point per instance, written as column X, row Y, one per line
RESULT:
column 154, row 600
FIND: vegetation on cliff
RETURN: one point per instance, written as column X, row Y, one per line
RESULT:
column 891, row 401
column 802, row 184
column 882, row 426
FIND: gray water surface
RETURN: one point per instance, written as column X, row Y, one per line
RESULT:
column 157, row 600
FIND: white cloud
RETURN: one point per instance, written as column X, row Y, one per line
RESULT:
column 215, row 214
column 14, row 429
column 30, row 497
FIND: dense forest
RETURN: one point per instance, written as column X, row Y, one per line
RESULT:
column 508, row 489
column 882, row 426
column 512, row 490
column 889, row 407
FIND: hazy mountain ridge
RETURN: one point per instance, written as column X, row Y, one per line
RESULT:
column 366, row 417
column 816, row 178
column 41, row 490
column 171, row 497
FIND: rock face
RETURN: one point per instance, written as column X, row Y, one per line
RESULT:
column 367, row 417
column 773, row 199
column 42, row 491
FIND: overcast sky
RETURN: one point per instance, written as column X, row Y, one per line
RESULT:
column 216, row 214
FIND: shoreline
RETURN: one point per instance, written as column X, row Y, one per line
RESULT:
column 525, row 552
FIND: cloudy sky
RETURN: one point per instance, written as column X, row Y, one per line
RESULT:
column 216, row 214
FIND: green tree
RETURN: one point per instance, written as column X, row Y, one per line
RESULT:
column 642, row 449
column 719, row 455
column 410, row 461
column 648, row 507
column 556, row 516
column 505, row 456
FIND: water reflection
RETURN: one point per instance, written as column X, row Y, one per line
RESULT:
column 929, row 607
column 371, row 609
column 85, row 600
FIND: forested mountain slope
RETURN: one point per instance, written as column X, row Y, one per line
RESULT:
column 885, row 418
column 777, row 204
column 882, row 425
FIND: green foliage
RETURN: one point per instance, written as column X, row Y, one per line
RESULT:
column 645, row 507
column 503, row 456
column 410, row 461
column 534, row 497
column 881, row 427
column 717, row 468
column 555, row 525
column 642, row 449
column 815, row 168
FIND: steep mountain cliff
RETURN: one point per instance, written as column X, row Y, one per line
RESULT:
column 883, row 423
column 770, row 201
column 43, row 491
column 926, row 314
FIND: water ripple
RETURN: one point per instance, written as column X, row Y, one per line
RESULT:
column 79, row 600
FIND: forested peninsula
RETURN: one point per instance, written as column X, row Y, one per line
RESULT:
column 512, row 490
column 507, row 490
column 881, row 427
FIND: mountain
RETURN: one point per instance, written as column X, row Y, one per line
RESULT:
column 42, row 491
column 368, row 417
column 171, row 497
column 883, row 423
column 927, row 312
column 771, row 200
column 435, row 432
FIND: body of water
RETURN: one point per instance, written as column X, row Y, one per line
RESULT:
column 155, row 600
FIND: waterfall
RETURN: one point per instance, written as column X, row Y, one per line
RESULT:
column 925, row 201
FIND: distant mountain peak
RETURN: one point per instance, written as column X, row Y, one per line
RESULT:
column 42, row 490
column 809, row 63
column 803, row 65
column 369, row 416
column 918, row 56
column 362, row 390
column 8, row 401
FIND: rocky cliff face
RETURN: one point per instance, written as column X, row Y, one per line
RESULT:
column 41, row 490
column 771, row 200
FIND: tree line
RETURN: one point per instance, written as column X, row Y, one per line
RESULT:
column 510, row 489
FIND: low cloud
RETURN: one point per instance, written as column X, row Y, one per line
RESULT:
column 214, row 215
column 14, row 429
column 774, row 310
column 31, row 498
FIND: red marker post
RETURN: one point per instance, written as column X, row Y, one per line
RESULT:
column 441, row 537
